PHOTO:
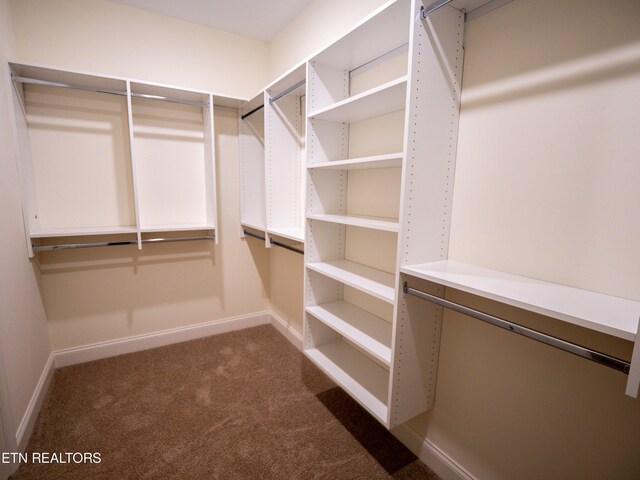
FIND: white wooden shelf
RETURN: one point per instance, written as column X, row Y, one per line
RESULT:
column 366, row 279
column 376, row 161
column 177, row 227
column 385, row 98
column 293, row 233
column 369, row 332
column 362, row 378
column 253, row 226
column 81, row 231
column 603, row 313
column 375, row 223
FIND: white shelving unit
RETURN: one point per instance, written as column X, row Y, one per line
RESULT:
column 284, row 155
column 143, row 156
column 363, row 94
column 251, row 164
column 272, row 160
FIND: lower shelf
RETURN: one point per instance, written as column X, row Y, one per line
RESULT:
column 360, row 377
column 371, row 333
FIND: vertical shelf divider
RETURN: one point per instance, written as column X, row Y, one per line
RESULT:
column 134, row 176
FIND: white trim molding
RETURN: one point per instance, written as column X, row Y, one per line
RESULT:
column 436, row 459
column 286, row 330
column 137, row 343
column 24, row 430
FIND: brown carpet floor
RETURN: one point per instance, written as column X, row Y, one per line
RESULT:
column 244, row 404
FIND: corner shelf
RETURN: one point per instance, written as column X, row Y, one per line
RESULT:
column 375, row 161
column 603, row 313
column 386, row 98
column 371, row 333
column 369, row 280
column 375, row 223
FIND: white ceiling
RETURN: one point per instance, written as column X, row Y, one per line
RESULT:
column 257, row 19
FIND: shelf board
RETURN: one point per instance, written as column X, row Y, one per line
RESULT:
column 377, row 161
column 386, row 98
column 374, row 223
column 362, row 378
column 369, row 332
column 81, row 231
column 382, row 31
column 366, row 279
column 178, row 227
column 603, row 313
column 293, row 233
column 253, row 226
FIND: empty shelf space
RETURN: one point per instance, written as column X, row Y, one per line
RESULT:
column 377, row 161
column 363, row 379
column 184, row 227
column 366, row 279
column 369, row 332
column 377, row 101
column 376, row 223
column 81, row 231
column 291, row 233
column 603, row 313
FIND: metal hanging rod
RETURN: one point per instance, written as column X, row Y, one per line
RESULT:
column 257, row 109
column 287, row 91
column 429, row 9
column 373, row 60
column 274, row 242
column 593, row 355
column 68, row 246
column 35, row 81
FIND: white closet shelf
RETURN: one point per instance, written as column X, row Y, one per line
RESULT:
column 292, row 233
column 369, row 332
column 386, row 98
column 603, row 313
column 376, row 161
column 362, row 378
column 374, row 223
column 253, row 225
column 81, row 231
column 180, row 227
column 366, row 279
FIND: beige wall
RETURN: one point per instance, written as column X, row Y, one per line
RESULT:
column 24, row 340
column 316, row 27
column 286, row 286
column 105, row 37
column 546, row 186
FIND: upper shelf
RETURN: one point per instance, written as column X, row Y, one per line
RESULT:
column 377, row 101
column 603, row 313
column 388, row 26
column 117, row 85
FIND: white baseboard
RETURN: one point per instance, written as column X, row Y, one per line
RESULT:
column 97, row 351
column 430, row 454
column 23, row 432
column 287, row 330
